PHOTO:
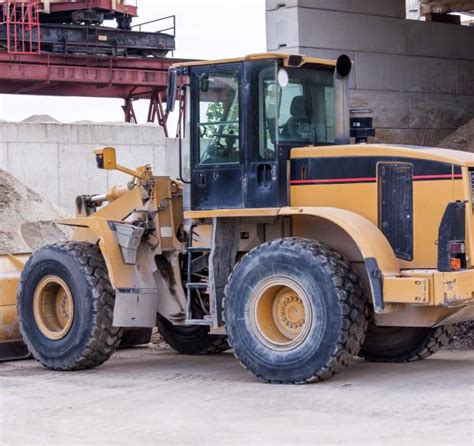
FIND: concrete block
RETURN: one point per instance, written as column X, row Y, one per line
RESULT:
column 4, row 155
column 440, row 40
column 326, row 54
column 389, row 8
column 282, row 29
column 341, row 30
column 23, row 132
column 78, row 174
column 66, row 133
column 385, row 72
column 132, row 157
column 36, row 165
column 167, row 157
column 465, row 77
column 440, row 111
column 390, row 109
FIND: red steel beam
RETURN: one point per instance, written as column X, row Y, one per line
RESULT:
column 77, row 76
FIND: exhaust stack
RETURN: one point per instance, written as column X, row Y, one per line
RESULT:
column 341, row 99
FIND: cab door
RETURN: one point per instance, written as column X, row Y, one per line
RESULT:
column 266, row 158
column 218, row 173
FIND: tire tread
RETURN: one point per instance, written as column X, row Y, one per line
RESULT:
column 353, row 305
column 104, row 338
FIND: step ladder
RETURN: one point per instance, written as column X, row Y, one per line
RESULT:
column 195, row 286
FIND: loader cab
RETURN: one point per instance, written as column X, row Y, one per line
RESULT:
column 245, row 116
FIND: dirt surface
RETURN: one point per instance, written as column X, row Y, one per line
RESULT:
column 26, row 219
column 150, row 396
column 461, row 139
column 463, row 338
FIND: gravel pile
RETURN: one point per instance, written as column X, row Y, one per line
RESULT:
column 26, row 219
column 461, row 139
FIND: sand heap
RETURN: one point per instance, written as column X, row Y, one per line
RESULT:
column 26, row 219
column 461, row 139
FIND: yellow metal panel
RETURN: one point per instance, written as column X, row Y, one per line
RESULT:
column 406, row 290
column 454, row 288
column 9, row 329
column 442, row 155
column 370, row 241
column 358, row 198
column 8, row 288
column 430, row 201
column 257, row 212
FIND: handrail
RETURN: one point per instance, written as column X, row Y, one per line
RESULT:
column 171, row 28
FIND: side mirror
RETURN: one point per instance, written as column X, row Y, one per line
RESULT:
column 171, row 92
column 106, row 158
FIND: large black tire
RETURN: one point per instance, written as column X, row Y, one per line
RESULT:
column 403, row 344
column 91, row 338
column 191, row 340
column 325, row 282
column 133, row 337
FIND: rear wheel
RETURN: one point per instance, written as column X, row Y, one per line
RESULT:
column 65, row 307
column 133, row 337
column 294, row 311
column 191, row 340
column 403, row 344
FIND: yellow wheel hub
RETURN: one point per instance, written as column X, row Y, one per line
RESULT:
column 280, row 313
column 288, row 312
column 53, row 307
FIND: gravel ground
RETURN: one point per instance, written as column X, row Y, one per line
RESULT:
column 154, row 396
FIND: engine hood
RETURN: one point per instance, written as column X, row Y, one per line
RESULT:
column 456, row 157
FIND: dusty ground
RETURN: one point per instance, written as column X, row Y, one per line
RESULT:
column 150, row 396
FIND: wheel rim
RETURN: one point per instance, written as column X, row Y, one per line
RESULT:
column 280, row 313
column 53, row 307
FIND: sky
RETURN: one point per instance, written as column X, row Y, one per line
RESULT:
column 206, row 29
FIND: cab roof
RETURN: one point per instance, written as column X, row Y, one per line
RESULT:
column 296, row 60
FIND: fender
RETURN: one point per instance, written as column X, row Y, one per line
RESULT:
column 142, row 289
column 374, row 248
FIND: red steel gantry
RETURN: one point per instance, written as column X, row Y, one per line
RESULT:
column 24, row 70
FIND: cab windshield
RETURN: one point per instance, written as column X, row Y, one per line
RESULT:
column 297, row 107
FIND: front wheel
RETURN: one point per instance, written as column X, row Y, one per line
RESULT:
column 294, row 311
column 65, row 307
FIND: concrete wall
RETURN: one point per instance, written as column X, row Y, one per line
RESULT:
column 417, row 77
column 56, row 160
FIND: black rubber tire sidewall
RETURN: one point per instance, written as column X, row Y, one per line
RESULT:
column 393, row 342
column 191, row 340
column 135, row 336
column 318, row 347
column 57, row 353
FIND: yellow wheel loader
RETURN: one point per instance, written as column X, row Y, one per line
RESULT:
column 280, row 239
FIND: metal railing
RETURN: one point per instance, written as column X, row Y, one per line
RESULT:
column 22, row 22
column 169, row 30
